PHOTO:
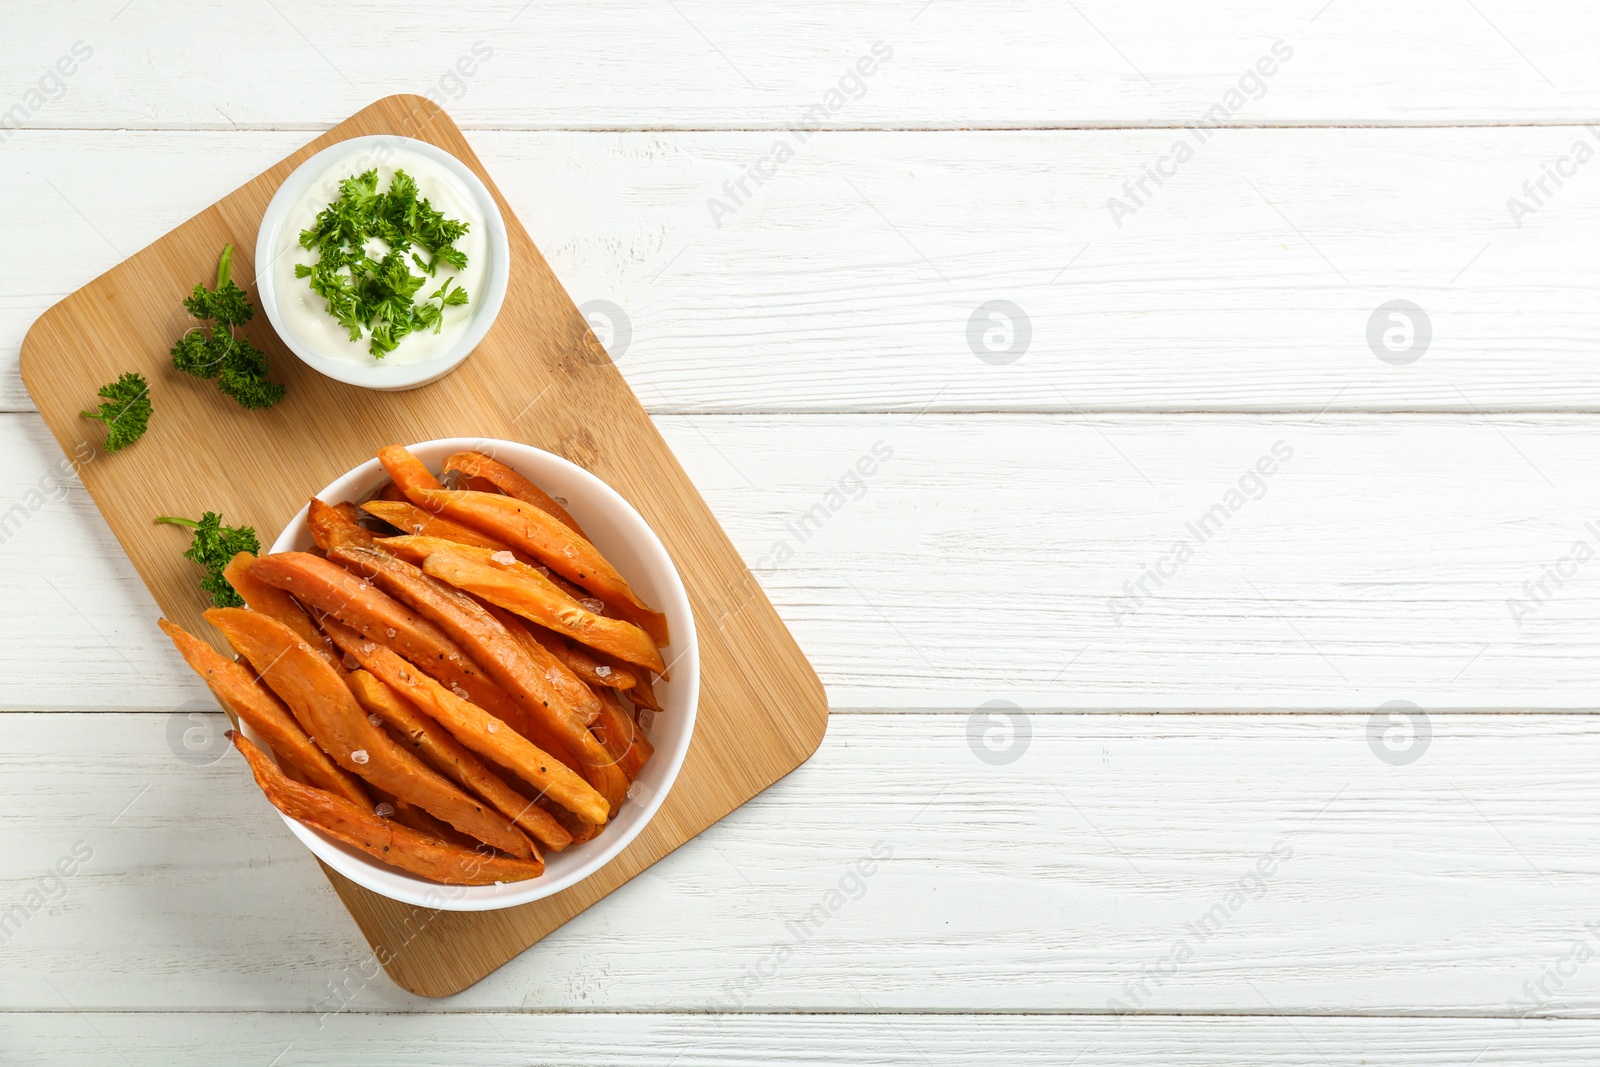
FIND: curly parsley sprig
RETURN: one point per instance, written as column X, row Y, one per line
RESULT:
column 378, row 295
column 125, row 409
column 240, row 368
column 214, row 545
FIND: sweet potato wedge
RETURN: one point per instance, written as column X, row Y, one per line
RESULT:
column 554, row 666
column 644, row 696
column 381, row 839
column 407, row 471
column 329, row 589
column 477, row 485
column 548, row 540
column 579, row 595
column 324, row 706
column 410, row 519
column 581, row 829
column 329, row 521
column 275, row 603
column 566, row 681
column 621, row 735
column 332, row 524
column 477, row 466
column 593, row 668
column 475, row 728
column 264, row 713
column 414, row 548
column 408, row 814
column 520, row 588
column 440, row 750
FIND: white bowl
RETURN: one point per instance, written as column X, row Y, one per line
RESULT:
column 386, row 374
column 633, row 548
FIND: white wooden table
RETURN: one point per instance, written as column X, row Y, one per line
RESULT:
column 1192, row 833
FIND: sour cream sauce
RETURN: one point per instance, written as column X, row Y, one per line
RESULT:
column 305, row 314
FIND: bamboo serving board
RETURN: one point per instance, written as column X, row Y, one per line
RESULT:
column 540, row 377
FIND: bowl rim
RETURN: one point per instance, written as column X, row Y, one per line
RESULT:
column 410, row 889
column 397, row 375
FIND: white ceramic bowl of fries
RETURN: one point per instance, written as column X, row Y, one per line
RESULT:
column 623, row 537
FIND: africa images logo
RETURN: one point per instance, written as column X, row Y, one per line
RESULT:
column 1251, row 485
column 851, row 85
column 1251, row 86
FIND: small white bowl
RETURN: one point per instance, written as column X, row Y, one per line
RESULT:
column 386, row 374
column 633, row 548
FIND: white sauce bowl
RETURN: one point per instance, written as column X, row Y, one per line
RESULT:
column 633, row 548
column 298, row 315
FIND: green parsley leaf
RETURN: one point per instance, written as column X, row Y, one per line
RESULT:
column 214, row 545
column 378, row 296
column 448, row 298
column 239, row 367
column 125, row 409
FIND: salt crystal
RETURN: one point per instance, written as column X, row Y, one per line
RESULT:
column 503, row 557
column 596, row 606
column 350, row 662
column 647, row 718
column 376, row 720
column 570, row 550
column 384, row 809
column 603, row 671
column 416, row 527
column 390, row 631
column 368, row 647
column 359, row 756
column 634, row 790
column 404, row 677
column 543, row 570
column 492, row 727
column 498, row 882
column 458, row 691
column 560, row 500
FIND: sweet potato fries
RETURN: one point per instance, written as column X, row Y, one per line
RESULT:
column 430, row 692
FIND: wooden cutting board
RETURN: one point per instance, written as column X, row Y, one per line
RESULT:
column 540, row 377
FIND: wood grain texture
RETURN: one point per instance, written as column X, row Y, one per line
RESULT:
column 719, row 63
column 848, row 283
column 538, row 377
column 197, row 1039
column 1048, row 884
column 987, row 560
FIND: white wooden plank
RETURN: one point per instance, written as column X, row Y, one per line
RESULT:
column 722, row 64
column 80, row 630
column 662, row 1040
column 84, row 217
column 1377, row 558
column 849, row 281
column 991, row 557
column 1453, row 884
